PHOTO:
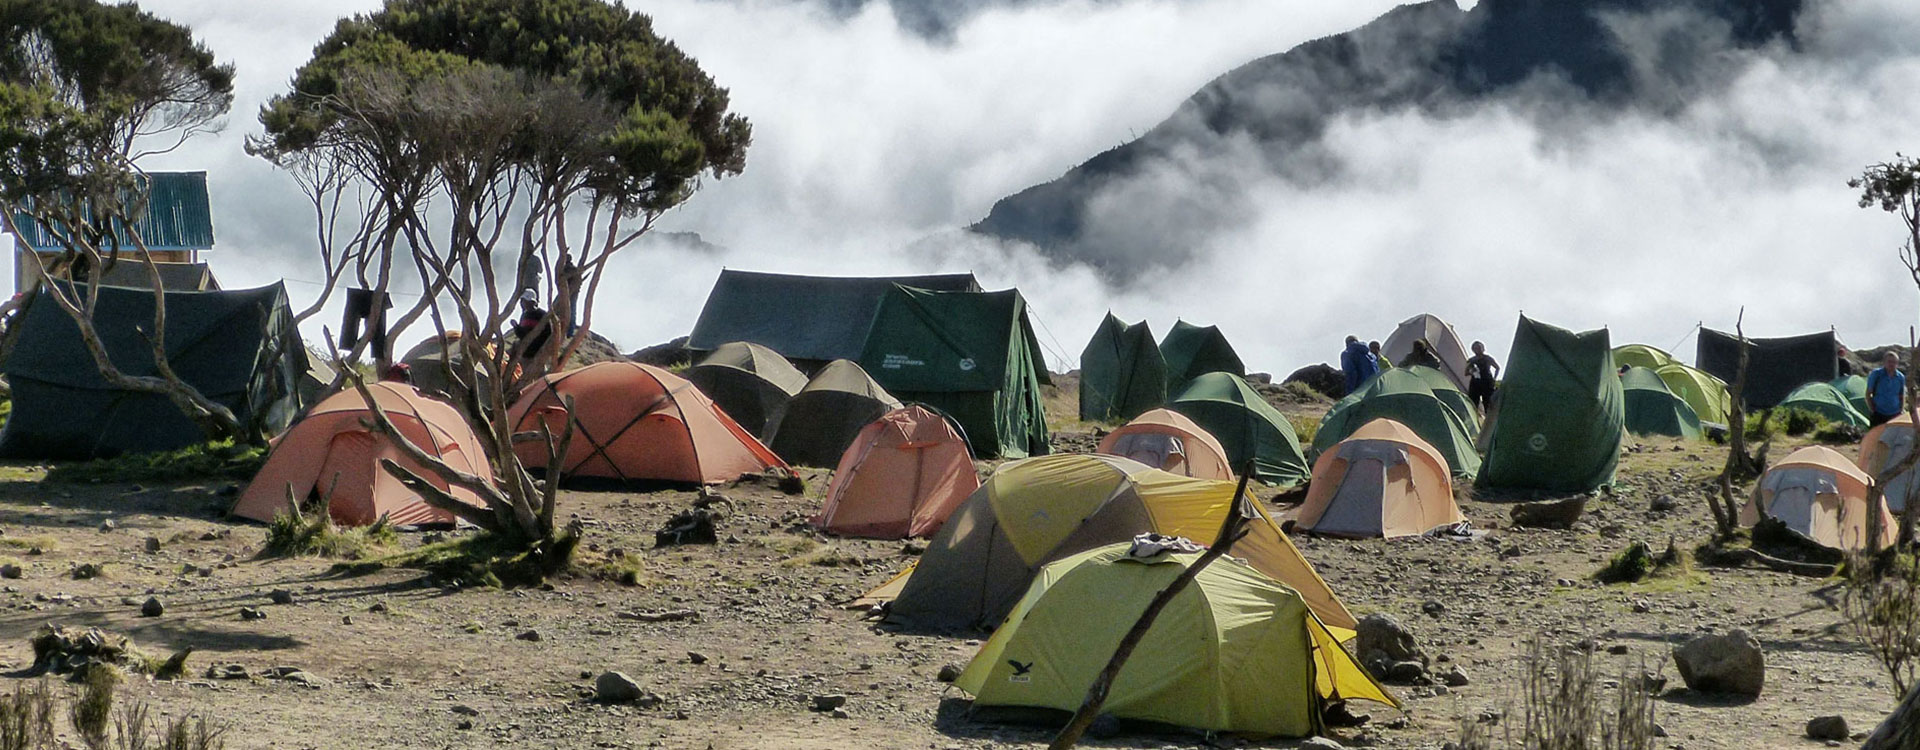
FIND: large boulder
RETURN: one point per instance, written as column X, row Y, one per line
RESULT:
column 1381, row 643
column 1322, row 377
column 1552, row 514
column 671, row 354
column 1730, row 663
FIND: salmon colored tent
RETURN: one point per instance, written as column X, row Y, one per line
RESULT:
column 902, row 477
column 1167, row 440
column 637, row 422
column 330, row 454
column 1820, row 495
column 1382, row 481
column 1885, row 446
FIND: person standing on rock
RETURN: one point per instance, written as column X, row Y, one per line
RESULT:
column 1379, row 360
column 1886, row 390
column 1357, row 364
column 1481, row 372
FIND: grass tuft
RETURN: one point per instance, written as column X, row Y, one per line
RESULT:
column 216, row 460
column 315, row 535
column 826, row 556
column 1638, row 563
column 482, row 559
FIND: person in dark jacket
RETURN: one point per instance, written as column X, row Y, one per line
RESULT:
column 1358, row 364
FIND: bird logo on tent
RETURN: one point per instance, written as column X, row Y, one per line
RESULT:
column 967, row 365
column 1537, row 443
column 1020, row 671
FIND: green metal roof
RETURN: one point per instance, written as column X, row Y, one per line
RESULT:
column 178, row 216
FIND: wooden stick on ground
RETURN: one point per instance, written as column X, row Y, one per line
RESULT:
column 1232, row 528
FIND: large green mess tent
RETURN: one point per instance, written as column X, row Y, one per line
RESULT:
column 1122, row 373
column 1775, row 366
column 238, row 348
column 808, row 319
column 1653, row 409
column 1192, row 351
column 1561, row 412
column 1827, row 401
column 1404, row 396
column 972, row 355
column 1246, row 425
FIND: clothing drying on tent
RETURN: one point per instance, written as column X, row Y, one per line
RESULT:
column 1641, row 355
column 1235, row 651
column 1707, row 394
column 1032, row 512
column 1818, row 494
column 1383, row 481
column 1442, row 342
column 824, row 417
column 903, row 475
column 330, row 454
column 1561, row 413
column 636, row 422
column 1854, row 387
column 1652, row 409
column 1882, row 448
column 1774, row 366
column 1167, row 440
column 1122, row 373
column 1409, row 399
column 808, row 319
column 972, row 355
column 1192, row 351
column 1827, row 401
column 238, row 348
column 750, row 382
column 1246, row 425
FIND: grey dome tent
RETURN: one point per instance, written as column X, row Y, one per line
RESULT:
column 238, row 348
column 750, row 382
column 1122, row 374
column 824, row 417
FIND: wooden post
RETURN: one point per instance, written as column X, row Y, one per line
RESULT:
column 1232, row 528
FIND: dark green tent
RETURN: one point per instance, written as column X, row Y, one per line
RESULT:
column 749, row 382
column 1855, row 387
column 808, row 319
column 1652, row 409
column 238, row 348
column 1828, row 402
column 820, row 421
column 1192, row 351
column 1774, row 366
column 972, row 355
column 1246, row 425
column 1404, row 396
column 1121, row 372
column 1561, row 412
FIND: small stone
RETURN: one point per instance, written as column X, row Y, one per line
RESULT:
column 840, row 713
column 695, row 657
column 152, row 607
column 1828, row 728
column 346, row 619
column 463, row 724
column 12, row 571
column 252, row 613
column 1104, row 727
column 1455, row 677
column 280, row 596
column 464, row 710
column 829, row 702
column 948, row 673
column 107, row 526
column 1730, row 663
column 616, row 687
column 1618, row 649
column 1407, row 672
column 1321, row 743
column 530, row 635
column 1659, row 731
column 1663, row 504
column 1433, row 609
column 377, row 607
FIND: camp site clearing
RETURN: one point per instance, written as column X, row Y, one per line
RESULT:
column 407, row 662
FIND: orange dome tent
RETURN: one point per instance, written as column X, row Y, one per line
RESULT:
column 904, row 474
column 329, row 453
column 1382, row 481
column 637, row 422
column 1882, row 448
column 1820, row 495
column 1167, row 440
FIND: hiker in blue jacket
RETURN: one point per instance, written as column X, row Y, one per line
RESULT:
column 1358, row 364
column 1886, row 389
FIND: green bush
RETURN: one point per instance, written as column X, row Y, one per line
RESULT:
column 1304, row 428
column 314, row 535
column 1638, row 562
column 215, row 460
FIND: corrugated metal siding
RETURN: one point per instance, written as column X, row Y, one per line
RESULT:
column 178, row 216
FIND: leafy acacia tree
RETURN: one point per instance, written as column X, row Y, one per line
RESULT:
column 86, row 90
column 470, row 142
column 1894, row 187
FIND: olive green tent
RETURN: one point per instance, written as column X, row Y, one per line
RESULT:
column 972, row 355
column 1705, row 393
column 1192, row 351
column 238, row 348
column 821, row 420
column 1828, row 402
column 1122, row 374
column 1561, row 412
column 1855, row 388
column 1246, row 425
column 1652, row 409
column 749, row 382
column 1403, row 396
column 1235, row 651
column 1455, row 400
column 1640, row 355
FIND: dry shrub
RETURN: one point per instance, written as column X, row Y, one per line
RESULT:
column 1564, row 707
column 1881, row 603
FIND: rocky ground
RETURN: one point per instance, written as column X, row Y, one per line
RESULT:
column 749, row 639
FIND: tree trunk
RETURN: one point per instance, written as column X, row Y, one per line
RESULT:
column 1901, row 730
